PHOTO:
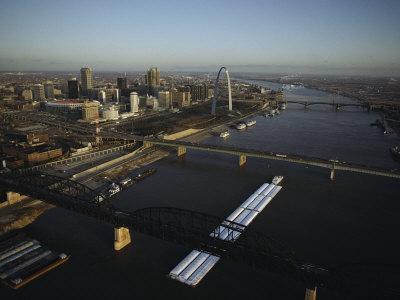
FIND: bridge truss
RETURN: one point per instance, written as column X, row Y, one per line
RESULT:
column 193, row 229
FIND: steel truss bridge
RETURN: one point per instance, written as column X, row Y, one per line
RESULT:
column 193, row 229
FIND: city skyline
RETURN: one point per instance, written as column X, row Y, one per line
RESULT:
column 331, row 37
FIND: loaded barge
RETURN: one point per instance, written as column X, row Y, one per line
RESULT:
column 128, row 181
column 23, row 259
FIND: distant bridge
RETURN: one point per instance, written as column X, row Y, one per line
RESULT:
column 369, row 105
column 243, row 153
column 336, row 105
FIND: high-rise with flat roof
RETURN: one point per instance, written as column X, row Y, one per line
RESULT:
column 153, row 77
column 122, row 83
column 134, row 100
column 86, row 80
column 49, row 90
column 73, row 88
column 199, row 92
column 164, row 99
column 38, row 92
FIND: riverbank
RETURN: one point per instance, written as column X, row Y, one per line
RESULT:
column 21, row 214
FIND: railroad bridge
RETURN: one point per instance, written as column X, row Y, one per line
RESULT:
column 193, row 229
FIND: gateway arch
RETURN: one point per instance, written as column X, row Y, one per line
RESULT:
column 218, row 90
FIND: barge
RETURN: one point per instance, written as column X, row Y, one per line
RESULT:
column 128, row 181
column 23, row 259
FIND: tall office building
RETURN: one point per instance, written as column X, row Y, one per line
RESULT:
column 86, row 80
column 180, row 99
column 49, row 90
column 38, row 92
column 122, row 83
column 164, row 99
column 134, row 99
column 199, row 92
column 153, row 77
column 73, row 88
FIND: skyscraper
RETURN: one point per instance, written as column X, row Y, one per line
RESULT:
column 73, row 89
column 86, row 80
column 134, row 99
column 49, row 90
column 38, row 92
column 153, row 77
column 122, row 83
column 164, row 99
column 199, row 92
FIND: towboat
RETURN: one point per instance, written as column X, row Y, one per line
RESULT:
column 250, row 123
column 240, row 126
column 224, row 134
column 114, row 188
column 395, row 151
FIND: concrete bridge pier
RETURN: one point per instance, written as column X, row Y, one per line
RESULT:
column 311, row 294
column 242, row 160
column 122, row 238
column 332, row 173
column 181, row 151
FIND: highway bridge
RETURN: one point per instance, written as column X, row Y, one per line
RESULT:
column 336, row 105
column 369, row 105
column 190, row 228
column 243, row 153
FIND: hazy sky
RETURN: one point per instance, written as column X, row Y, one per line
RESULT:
column 348, row 36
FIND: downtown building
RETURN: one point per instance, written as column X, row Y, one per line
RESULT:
column 199, row 92
column 122, row 83
column 86, row 81
column 153, row 77
column 90, row 111
column 73, row 88
column 38, row 92
column 49, row 90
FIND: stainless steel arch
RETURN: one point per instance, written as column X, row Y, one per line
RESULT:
column 217, row 90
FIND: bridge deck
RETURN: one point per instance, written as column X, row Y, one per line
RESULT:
column 293, row 158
